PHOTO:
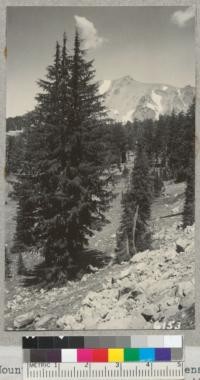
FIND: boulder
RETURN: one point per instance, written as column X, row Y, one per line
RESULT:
column 44, row 320
column 170, row 301
column 124, row 290
column 184, row 288
column 160, row 316
column 141, row 268
column 129, row 305
column 88, row 300
column 157, row 325
column 136, row 292
column 85, row 277
column 135, row 322
column 179, row 248
column 90, row 323
column 68, row 322
column 150, row 312
column 110, row 295
column 92, row 269
column 125, row 273
column 181, row 245
column 186, row 302
column 24, row 320
column 189, row 230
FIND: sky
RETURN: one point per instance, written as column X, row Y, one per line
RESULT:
column 151, row 44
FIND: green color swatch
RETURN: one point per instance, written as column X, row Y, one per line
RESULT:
column 131, row 355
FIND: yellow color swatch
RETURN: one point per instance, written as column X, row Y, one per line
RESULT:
column 115, row 355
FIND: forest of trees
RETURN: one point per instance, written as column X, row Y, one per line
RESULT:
column 62, row 162
column 164, row 150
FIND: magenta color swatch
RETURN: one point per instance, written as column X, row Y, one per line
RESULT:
column 84, row 355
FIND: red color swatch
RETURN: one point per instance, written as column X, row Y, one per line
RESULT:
column 100, row 355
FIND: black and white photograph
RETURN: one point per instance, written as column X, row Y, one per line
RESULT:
column 100, row 168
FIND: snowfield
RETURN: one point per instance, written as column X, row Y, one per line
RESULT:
column 157, row 99
column 104, row 87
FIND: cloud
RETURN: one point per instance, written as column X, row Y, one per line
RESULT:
column 181, row 18
column 88, row 32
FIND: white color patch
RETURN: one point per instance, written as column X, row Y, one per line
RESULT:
column 104, row 87
column 173, row 341
column 69, row 356
column 157, row 100
column 128, row 116
column 164, row 88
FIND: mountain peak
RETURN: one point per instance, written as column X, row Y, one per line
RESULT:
column 126, row 79
column 129, row 99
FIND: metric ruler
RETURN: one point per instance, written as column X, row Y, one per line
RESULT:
column 104, row 371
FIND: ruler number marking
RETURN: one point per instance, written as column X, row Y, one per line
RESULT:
column 98, row 371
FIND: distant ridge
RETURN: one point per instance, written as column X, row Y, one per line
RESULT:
column 127, row 99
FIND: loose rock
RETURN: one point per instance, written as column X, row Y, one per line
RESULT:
column 24, row 320
column 44, row 320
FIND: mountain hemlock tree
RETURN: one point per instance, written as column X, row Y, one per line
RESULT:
column 189, row 205
column 21, row 269
column 136, row 207
column 189, row 147
column 63, row 190
column 86, row 189
column 8, row 272
column 33, row 188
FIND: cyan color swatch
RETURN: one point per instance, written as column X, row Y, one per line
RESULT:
column 147, row 354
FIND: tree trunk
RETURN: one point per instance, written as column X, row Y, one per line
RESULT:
column 134, row 251
column 127, row 247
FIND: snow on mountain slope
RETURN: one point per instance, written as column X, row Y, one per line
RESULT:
column 128, row 99
column 128, row 116
column 104, row 87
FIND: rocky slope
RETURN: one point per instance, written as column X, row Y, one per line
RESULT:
column 154, row 290
column 146, row 293
column 128, row 99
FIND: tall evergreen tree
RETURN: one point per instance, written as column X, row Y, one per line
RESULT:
column 63, row 189
column 8, row 273
column 189, row 162
column 83, row 178
column 189, row 205
column 136, row 205
column 39, row 174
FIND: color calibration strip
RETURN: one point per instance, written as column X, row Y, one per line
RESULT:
column 136, row 341
column 102, row 355
column 103, row 349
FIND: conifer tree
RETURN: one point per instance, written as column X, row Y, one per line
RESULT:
column 83, row 184
column 63, row 190
column 136, row 205
column 8, row 273
column 21, row 269
column 189, row 205
column 39, row 174
column 189, row 162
